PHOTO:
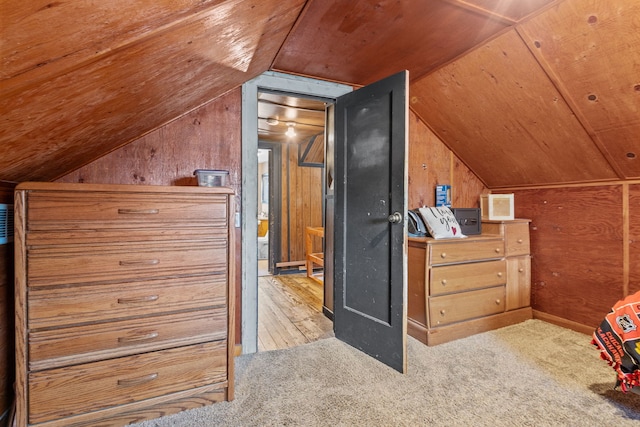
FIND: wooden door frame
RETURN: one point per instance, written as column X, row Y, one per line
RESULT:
column 273, row 81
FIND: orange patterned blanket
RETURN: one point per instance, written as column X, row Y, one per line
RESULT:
column 618, row 339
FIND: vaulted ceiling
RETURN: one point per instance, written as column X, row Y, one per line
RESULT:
column 524, row 92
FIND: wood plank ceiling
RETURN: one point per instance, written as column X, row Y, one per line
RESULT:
column 290, row 119
column 524, row 92
column 82, row 78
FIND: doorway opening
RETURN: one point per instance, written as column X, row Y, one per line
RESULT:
column 291, row 201
column 264, row 156
column 370, row 139
column 268, row 82
column 290, row 176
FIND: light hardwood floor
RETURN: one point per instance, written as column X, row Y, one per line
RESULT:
column 290, row 312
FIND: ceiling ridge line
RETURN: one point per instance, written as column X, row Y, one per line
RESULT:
column 481, row 11
column 296, row 22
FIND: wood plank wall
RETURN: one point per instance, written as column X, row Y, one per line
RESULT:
column 585, row 242
column 432, row 163
column 301, row 203
column 6, row 316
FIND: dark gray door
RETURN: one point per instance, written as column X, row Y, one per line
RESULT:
column 370, row 206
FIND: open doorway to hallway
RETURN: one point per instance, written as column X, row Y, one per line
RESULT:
column 274, row 82
column 290, row 200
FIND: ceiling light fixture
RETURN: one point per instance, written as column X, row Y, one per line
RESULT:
column 290, row 132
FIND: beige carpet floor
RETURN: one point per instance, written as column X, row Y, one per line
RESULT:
column 530, row 374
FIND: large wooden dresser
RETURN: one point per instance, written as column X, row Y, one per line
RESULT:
column 460, row 287
column 124, row 303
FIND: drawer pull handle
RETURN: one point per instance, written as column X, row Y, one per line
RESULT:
column 138, row 300
column 443, row 255
column 519, row 240
column 140, row 262
column 138, row 338
column 138, row 211
column 444, row 282
column 128, row 382
column 500, row 274
column 442, row 312
column 498, row 250
column 498, row 301
column 521, row 270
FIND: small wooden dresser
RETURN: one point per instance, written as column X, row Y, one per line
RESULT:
column 460, row 287
column 124, row 302
column 517, row 252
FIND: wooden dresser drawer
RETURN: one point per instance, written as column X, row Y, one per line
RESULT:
column 462, row 251
column 53, row 348
column 452, row 308
column 49, row 266
column 68, row 237
column 62, row 392
column 59, row 209
column 460, row 277
column 53, row 307
column 517, row 239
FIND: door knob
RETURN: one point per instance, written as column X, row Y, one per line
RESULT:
column 395, row 218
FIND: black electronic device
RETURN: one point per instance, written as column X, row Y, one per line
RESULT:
column 469, row 220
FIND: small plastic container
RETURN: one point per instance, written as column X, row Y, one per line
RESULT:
column 211, row 177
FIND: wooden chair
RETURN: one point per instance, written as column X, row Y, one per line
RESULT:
column 314, row 257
